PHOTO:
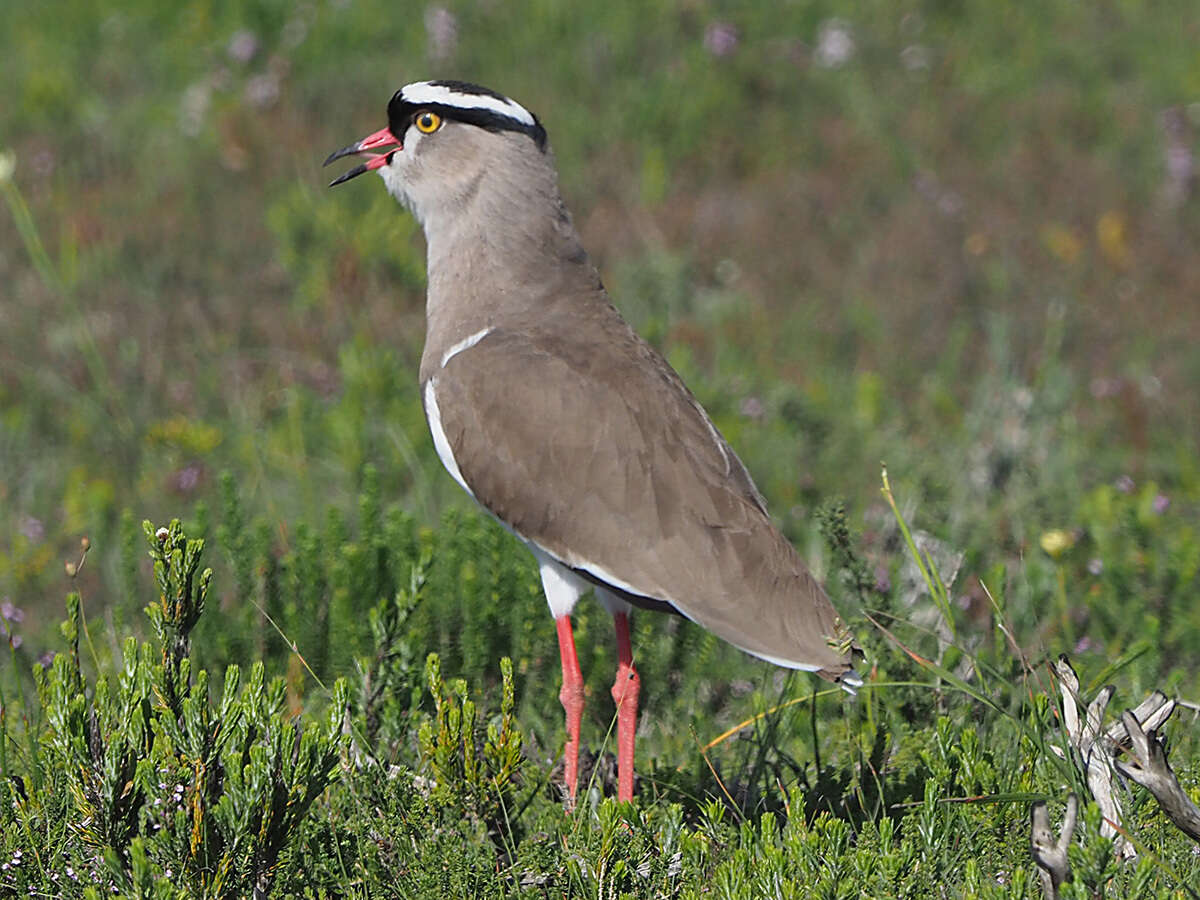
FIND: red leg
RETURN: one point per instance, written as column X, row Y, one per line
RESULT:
column 571, row 696
column 625, row 692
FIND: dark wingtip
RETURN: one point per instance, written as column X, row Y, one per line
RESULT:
column 353, row 173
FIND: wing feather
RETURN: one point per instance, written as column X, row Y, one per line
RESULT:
column 607, row 462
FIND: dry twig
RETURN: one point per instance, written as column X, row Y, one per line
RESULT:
column 1049, row 852
column 1150, row 769
column 1096, row 751
column 1097, row 748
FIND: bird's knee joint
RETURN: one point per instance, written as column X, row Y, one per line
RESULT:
column 571, row 695
column 627, row 686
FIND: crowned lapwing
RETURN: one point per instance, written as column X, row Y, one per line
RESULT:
column 549, row 410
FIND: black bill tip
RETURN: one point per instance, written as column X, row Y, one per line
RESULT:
column 346, row 176
column 356, row 147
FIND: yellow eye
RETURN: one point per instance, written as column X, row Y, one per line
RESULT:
column 428, row 122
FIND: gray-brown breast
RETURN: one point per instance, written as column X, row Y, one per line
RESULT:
column 579, row 436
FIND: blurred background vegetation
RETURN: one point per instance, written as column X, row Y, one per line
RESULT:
column 955, row 236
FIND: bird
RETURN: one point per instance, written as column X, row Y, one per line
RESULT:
column 576, row 434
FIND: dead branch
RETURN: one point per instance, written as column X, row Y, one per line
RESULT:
column 1096, row 751
column 1150, row 769
column 1050, row 852
column 1129, row 747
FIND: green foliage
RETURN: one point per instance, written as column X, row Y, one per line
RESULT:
column 473, row 770
column 1094, row 866
column 305, row 226
column 1136, row 541
column 164, row 784
column 388, row 679
column 851, row 566
column 774, row 189
column 180, row 604
column 138, row 773
column 956, row 249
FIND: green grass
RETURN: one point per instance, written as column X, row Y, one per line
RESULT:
column 960, row 251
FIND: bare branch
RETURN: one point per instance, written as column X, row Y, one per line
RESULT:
column 1069, row 684
column 1098, row 749
column 1153, row 772
column 1151, row 713
column 1095, row 750
column 1095, row 716
column 1050, row 852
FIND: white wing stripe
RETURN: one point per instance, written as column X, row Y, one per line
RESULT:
column 465, row 344
column 609, row 578
column 440, row 442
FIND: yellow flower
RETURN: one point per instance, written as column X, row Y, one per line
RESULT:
column 1113, row 237
column 1062, row 242
column 976, row 243
column 196, row 438
column 1057, row 541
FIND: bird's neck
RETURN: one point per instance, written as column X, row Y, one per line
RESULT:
column 500, row 260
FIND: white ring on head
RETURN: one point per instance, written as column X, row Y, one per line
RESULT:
column 422, row 92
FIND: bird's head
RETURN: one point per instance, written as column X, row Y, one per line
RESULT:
column 442, row 137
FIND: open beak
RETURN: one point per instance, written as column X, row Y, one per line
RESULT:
column 381, row 138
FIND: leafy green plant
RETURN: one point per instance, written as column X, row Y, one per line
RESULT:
column 163, row 781
column 923, row 247
column 388, row 678
column 473, row 768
